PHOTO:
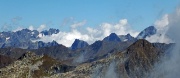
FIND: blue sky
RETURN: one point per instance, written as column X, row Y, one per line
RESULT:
column 57, row 13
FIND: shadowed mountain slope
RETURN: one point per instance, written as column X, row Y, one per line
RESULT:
column 134, row 62
column 5, row 60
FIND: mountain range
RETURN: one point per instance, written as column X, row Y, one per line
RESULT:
column 116, row 56
column 24, row 39
column 28, row 39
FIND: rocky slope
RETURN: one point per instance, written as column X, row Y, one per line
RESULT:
column 31, row 65
column 134, row 62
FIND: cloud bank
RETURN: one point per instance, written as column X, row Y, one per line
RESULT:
column 91, row 34
column 169, row 67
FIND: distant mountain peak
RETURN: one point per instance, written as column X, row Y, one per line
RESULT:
column 128, row 34
column 112, row 37
column 49, row 44
column 147, row 32
column 50, row 31
column 79, row 44
column 23, row 38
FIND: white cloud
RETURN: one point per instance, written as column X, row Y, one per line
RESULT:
column 41, row 28
column 161, row 38
column 91, row 34
column 163, row 22
column 120, row 28
column 65, row 38
column 31, row 28
column 78, row 24
column 106, row 29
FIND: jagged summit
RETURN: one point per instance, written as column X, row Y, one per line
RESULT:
column 41, row 44
column 142, row 54
column 50, row 31
column 79, row 44
column 25, row 38
column 147, row 32
column 112, row 37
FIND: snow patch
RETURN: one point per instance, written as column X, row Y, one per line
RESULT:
column 7, row 38
column 40, row 35
column 125, row 39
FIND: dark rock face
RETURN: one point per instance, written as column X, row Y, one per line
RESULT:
column 79, row 44
column 5, row 60
column 112, row 37
column 14, row 53
column 151, row 30
column 41, row 44
column 101, row 49
column 59, row 52
column 50, row 32
column 142, row 55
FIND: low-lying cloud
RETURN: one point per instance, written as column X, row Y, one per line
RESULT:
column 169, row 67
column 91, row 34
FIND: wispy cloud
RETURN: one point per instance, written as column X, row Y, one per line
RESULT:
column 78, row 24
column 67, row 21
column 41, row 27
column 16, row 20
